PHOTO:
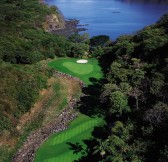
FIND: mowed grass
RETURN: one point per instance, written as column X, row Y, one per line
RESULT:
column 58, row 148
column 83, row 71
column 69, row 145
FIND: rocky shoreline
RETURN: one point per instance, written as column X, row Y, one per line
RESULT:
column 71, row 26
column 27, row 152
column 63, row 26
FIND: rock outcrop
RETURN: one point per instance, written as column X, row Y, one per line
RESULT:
column 54, row 22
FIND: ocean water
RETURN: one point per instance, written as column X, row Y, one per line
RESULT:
column 112, row 17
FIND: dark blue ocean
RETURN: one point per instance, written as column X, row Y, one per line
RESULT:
column 112, row 17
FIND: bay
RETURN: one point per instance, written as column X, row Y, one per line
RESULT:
column 112, row 17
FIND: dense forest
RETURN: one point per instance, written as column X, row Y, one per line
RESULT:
column 134, row 98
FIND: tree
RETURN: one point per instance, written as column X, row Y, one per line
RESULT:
column 164, row 154
column 157, row 82
column 77, row 38
column 163, row 21
column 101, row 148
column 124, row 46
column 118, row 73
column 137, row 75
column 100, row 40
column 79, row 50
column 158, row 114
column 119, row 103
column 119, row 147
column 125, row 87
column 97, row 52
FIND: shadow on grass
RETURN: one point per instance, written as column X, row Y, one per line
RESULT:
column 89, row 103
column 88, row 157
column 87, row 154
column 76, row 147
column 91, row 106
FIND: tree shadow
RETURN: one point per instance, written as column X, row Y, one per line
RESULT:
column 106, row 60
column 88, row 152
column 76, row 147
column 98, row 132
column 89, row 103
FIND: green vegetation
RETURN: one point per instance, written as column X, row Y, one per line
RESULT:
column 86, row 72
column 22, row 35
column 23, row 43
column 19, row 90
column 135, row 97
column 68, row 145
column 20, row 86
column 48, row 105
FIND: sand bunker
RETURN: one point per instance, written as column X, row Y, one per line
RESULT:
column 82, row 61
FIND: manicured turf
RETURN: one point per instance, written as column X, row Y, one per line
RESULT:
column 83, row 71
column 68, row 145
column 59, row 147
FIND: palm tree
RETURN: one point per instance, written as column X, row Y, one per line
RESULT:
column 101, row 147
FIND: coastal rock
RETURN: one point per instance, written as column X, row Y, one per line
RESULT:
column 54, row 22
column 41, row 1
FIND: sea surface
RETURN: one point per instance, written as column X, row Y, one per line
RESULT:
column 112, row 17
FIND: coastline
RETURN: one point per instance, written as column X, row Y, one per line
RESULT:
column 71, row 25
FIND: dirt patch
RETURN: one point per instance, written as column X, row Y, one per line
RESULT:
column 61, row 97
column 45, row 96
column 29, row 116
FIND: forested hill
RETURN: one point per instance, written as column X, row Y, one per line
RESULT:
column 23, row 43
column 22, row 32
column 136, row 97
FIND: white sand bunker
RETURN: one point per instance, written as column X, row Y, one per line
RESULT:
column 82, row 61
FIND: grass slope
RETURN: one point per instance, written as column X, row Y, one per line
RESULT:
column 83, row 71
column 69, row 145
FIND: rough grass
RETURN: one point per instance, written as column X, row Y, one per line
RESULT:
column 50, row 103
column 62, row 92
column 68, row 145
column 86, row 72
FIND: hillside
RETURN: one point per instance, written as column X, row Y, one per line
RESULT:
column 22, row 34
column 24, row 41
column 136, row 97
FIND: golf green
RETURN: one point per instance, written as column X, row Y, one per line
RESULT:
column 80, row 69
column 85, row 72
column 69, row 145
